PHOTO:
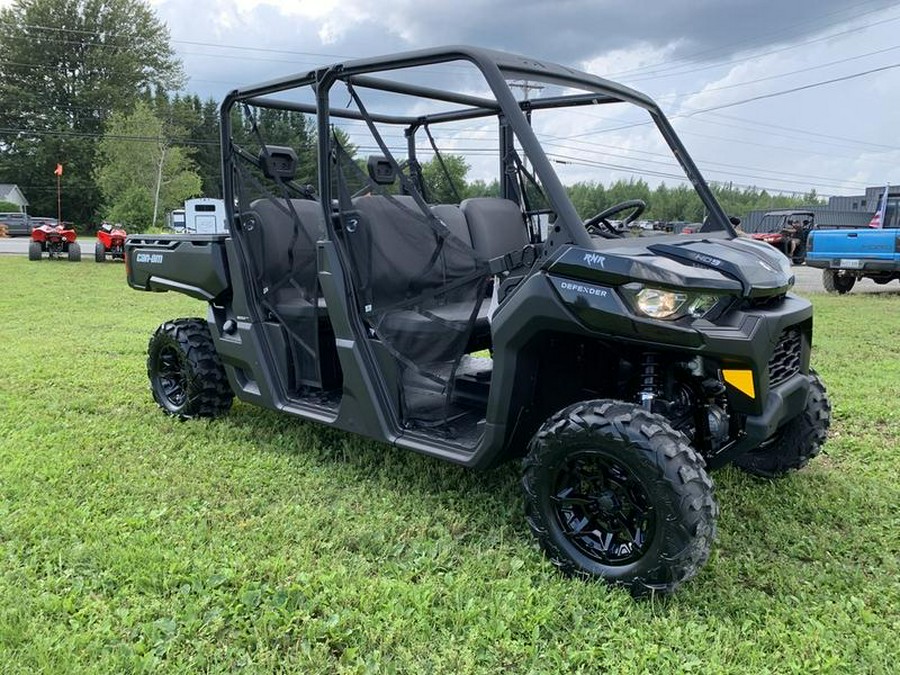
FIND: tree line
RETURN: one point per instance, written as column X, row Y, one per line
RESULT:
column 86, row 83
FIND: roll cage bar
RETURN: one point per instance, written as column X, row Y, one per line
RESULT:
column 514, row 116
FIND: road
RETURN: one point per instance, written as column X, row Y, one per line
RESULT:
column 809, row 280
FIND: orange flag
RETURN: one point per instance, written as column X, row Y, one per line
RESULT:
column 58, row 171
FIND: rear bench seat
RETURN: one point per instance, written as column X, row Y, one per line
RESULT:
column 277, row 224
column 294, row 304
column 491, row 226
column 399, row 241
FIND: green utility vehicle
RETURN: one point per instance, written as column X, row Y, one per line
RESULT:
column 361, row 285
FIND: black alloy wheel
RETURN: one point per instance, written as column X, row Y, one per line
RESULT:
column 613, row 492
column 603, row 509
column 186, row 375
column 171, row 378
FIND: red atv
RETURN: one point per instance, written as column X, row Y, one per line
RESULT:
column 54, row 239
column 787, row 231
column 110, row 242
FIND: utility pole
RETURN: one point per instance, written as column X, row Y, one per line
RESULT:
column 526, row 87
column 538, row 231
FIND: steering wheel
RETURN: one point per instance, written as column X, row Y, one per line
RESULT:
column 638, row 206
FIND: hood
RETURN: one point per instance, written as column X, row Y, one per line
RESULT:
column 718, row 264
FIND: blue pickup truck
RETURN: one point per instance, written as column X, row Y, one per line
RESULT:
column 847, row 255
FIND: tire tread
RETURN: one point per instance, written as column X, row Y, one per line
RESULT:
column 209, row 393
column 676, row 462
column 796, row 443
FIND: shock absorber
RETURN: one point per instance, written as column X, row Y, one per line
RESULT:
column 649, row 380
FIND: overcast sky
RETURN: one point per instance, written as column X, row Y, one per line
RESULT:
column 689, row 56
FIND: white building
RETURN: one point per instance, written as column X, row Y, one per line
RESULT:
column 10, row 192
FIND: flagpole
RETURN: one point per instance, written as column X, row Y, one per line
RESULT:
column 879, row 216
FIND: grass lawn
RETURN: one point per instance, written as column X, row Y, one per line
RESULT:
column 255, row 543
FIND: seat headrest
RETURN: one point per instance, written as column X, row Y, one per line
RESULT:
column 278, row 162
column 381, row 171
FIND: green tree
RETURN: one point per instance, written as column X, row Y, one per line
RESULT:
column 588, row 198
column 285, row 128
column 445, row 184
column 207, row 149
column 479, row 188
column 65, row 67
column 141, row 173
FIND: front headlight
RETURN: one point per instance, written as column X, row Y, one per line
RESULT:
column 660, row 303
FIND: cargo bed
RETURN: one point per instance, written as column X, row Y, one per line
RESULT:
column 193, row 264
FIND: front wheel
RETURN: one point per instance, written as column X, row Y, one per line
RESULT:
column 74, row 253
column 835, row 282
column 613, row 492
column 795, row 443
column 99, row 252
column 34, row 250
column 186, row 374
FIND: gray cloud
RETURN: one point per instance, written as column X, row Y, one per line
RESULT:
column 577, row 30
column 712, row 45
column 567, row 31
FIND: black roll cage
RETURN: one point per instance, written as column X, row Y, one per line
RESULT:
column 514, row 116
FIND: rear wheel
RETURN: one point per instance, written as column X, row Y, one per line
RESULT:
column 34, row 251
column 186, row 374
column 99, row 252
column 835, row 282
column 74, row 253
column 795, row 443
column 613, row 492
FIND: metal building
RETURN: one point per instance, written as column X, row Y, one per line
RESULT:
column 852, row 211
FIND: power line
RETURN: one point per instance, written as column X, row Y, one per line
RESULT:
column 795, row 130
column 759, row 97
column 561, row 159
column 117, row 137
column 709, row 165
column 128, row 36
column 780, row 75
column 670, row 66
column 798, row 177
column 806, row 152
column 792, row 90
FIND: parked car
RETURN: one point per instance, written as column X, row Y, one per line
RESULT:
column 847, row 255
column 16, row 223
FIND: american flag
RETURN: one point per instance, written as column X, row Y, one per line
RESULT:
column 878, row 219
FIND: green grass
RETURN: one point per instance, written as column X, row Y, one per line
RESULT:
column 258, row 543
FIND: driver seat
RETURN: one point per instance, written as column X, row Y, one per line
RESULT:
column 496, row 226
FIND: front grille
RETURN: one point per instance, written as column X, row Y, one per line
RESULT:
column 785, row 360
column 767, row 302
